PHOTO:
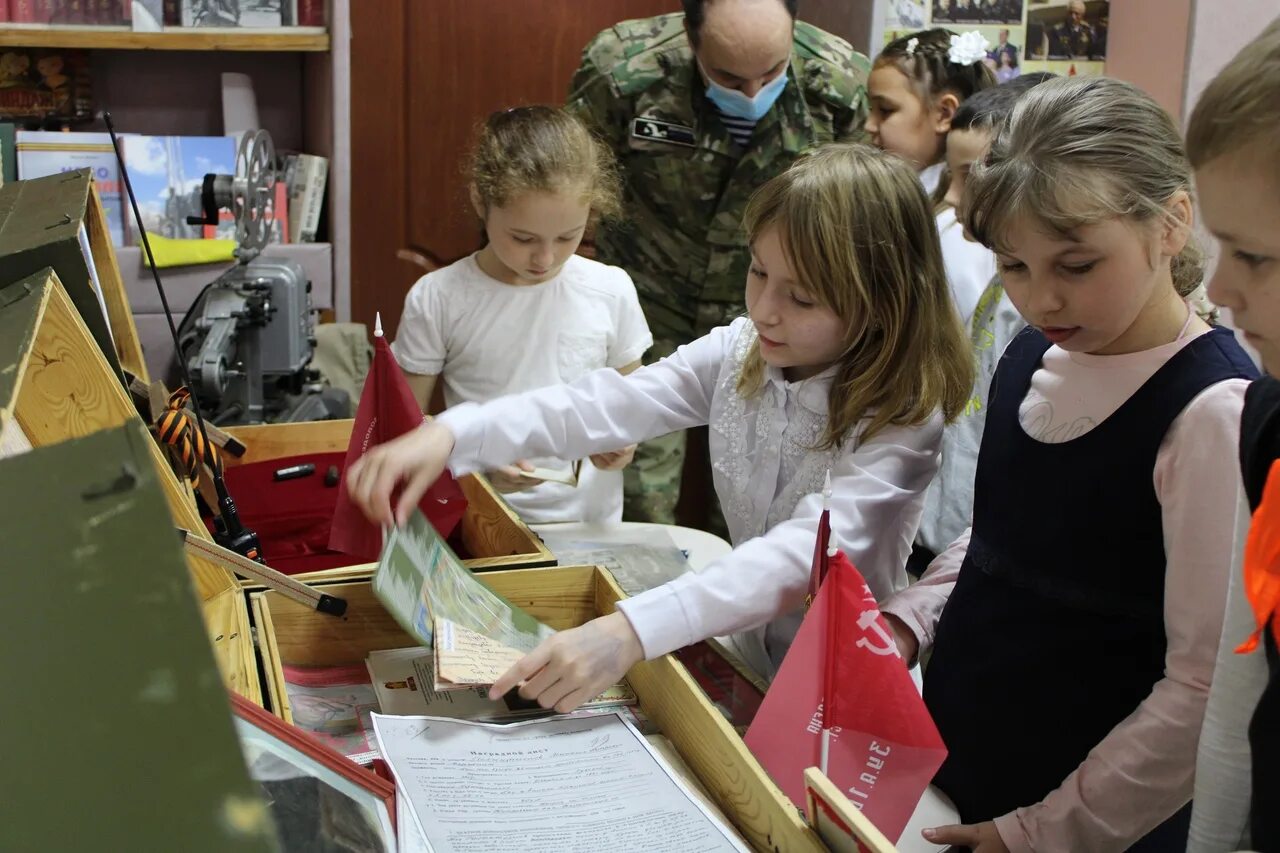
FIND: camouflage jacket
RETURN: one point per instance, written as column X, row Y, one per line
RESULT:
column 686, row 183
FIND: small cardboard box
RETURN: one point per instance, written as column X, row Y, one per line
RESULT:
column 290, row 633
column 55, row 385
column 491, row 535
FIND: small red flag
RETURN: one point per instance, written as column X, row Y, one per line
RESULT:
column 387, row 410
column 884, row 747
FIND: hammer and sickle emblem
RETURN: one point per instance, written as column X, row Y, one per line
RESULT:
column 868, row 620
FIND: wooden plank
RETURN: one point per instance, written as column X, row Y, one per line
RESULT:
column 276, row 692
column 226, row 619
column 123, row 330
column 304, row 637
column 494, row 530
column 288, row 39
column 841, row 826
column 560, row 597
column 264, row 442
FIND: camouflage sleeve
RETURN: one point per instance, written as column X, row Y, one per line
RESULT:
column 593, row 96
column 851, row 120
column 837, row 76
column 850, row 123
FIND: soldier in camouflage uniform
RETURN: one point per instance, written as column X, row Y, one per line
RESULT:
column 686, row 180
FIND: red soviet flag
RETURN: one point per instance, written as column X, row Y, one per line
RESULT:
column 387, row 410
column 843, row 672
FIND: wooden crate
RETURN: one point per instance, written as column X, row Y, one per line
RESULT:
column 40, row 221
column 492, row 534
column 57, row 385
column 293, row 634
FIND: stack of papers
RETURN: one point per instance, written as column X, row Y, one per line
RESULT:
column 585, row 783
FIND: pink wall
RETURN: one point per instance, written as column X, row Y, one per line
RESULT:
column 1221, row 28
column 1147, row 45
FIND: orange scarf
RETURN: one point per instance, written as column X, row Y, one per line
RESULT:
column 1262, row 562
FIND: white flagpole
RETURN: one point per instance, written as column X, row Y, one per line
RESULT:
column 831, row 552
column 826, row 507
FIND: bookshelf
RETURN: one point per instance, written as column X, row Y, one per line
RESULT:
column 290, row 39
column 168, row 83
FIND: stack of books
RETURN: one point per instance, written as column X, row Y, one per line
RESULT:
column 155, row 15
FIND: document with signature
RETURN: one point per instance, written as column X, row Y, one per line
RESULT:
column 568, row 783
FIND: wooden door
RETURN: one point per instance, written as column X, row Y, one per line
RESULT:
column 423, row 74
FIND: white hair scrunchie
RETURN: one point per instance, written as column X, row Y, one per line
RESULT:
column 968, row 48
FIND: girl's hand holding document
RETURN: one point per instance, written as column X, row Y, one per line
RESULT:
column 573, row 666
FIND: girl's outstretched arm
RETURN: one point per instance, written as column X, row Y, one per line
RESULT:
column 877, row 494
column 598, row 413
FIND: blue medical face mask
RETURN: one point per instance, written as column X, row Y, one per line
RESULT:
column 734, row 103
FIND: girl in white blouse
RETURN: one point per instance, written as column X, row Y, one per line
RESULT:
column 849, row 362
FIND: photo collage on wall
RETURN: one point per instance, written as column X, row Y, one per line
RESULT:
column 1067, row 37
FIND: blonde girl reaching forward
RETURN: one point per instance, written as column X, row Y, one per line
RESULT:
column 525, row 312
column 849, row 362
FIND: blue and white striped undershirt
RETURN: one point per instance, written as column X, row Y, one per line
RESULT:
column 740, row 129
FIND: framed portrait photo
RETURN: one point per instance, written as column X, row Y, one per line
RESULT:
column 318, row 799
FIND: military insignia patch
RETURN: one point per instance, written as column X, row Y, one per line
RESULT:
column 657, row 130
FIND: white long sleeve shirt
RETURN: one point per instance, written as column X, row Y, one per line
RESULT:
column 766, row 471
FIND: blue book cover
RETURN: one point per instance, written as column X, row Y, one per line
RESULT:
column 167, row 173
column 41, row 153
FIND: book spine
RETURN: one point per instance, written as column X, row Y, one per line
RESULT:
column 4, row 10
column 29, row 11
column 57, row 11
column 280, row 213
column 311, row 13
column 172, row 13
column 308, row 198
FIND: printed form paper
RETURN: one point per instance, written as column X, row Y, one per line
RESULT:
column 568, row 785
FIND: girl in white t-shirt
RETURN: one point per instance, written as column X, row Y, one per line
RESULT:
column 525, row 312
column 849, row 363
